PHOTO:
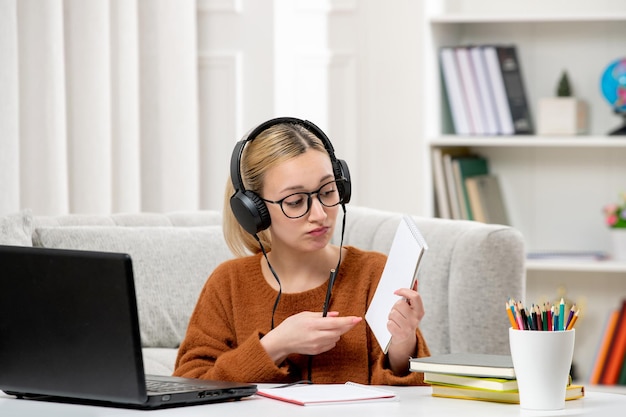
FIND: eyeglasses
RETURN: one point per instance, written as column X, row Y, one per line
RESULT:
column 297, row 205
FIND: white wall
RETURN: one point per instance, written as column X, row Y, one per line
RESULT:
column 352, row 67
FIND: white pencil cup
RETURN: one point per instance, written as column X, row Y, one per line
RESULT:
column 542, row 362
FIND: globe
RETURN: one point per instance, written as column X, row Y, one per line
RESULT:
column 613, row 86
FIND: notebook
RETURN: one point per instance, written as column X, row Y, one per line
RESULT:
column 474, row 364
column 400, row 271
column 70, row 332
column 319, row 394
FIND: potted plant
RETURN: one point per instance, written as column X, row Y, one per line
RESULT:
column 563, row 114
column 615, row 218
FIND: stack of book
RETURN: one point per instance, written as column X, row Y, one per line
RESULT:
column 464, row 187
column 610, row 363
column 485, row 90
column 480, row 377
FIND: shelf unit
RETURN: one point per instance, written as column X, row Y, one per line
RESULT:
column 554, row 187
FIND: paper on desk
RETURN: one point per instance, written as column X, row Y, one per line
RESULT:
column 316, row 394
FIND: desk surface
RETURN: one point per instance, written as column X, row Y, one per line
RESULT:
column 412, row 401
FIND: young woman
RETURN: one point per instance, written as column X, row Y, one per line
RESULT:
column 290, row 307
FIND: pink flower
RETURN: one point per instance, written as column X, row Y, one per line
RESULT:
column 611, row 219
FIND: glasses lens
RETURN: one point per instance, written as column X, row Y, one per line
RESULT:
column 329, row 194
column 296, row 205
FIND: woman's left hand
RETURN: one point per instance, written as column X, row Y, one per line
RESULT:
column 404, row 319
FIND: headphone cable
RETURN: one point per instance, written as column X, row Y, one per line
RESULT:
column 280, row 287
column 333, row 272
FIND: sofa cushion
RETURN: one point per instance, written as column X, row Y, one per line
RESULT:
column 15, row 229
column 170, row 265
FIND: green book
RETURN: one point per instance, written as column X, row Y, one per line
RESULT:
column 486, row 199
column 465, row 167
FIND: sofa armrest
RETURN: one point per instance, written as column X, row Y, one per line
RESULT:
column 471, row 272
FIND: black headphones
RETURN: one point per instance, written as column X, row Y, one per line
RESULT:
column 247, row 206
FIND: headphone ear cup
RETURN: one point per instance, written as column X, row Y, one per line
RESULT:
column 342, row 171
column 250, row 211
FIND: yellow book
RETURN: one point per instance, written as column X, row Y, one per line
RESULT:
column 494, row 384
column 465, row 393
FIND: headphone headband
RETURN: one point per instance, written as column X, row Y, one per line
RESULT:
column 249, row 209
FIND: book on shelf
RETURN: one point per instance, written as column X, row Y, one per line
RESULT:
column 473, row 364
column 439, row 185
column 406, row 251
column 504, row 59
column 486, row 200
column 470, row 89
column 501, row 103
column 572, row 392
column 485, row 91
column 464, row 167
column 616, row 352
column 318, row 394
column 482, row 382
column 603, row 347
column 454, row 91
column 444, row 209
column 453, row 196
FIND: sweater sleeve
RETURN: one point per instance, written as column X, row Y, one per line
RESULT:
column 211, row 350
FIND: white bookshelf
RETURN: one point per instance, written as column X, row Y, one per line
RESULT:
column 554, row 187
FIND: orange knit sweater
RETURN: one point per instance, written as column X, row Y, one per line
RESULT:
column 234, row 311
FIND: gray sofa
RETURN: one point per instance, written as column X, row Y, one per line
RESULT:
column 466, row 276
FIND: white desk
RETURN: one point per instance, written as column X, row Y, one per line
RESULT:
column 412, row 401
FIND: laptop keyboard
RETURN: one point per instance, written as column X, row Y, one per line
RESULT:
column 169, row 386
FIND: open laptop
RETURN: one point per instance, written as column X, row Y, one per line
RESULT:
column 69, row 331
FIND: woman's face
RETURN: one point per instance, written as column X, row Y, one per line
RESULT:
column 304, row 173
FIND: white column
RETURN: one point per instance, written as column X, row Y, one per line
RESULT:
column 87, row 35
column 169, row 104
column 43, row 148
column 125, row 127
column 9, row 105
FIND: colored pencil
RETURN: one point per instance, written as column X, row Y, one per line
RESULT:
column 522, row 312
column 571, row 323
column 556, row 320
column 538, row 320
column 571, row 315
column 509, row 313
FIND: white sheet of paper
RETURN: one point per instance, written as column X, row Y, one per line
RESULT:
column 400, row 271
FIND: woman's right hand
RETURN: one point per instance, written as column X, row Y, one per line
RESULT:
column 307, row 333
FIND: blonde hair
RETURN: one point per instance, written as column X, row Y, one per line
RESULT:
column 269, row 148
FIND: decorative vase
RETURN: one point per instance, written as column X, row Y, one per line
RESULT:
column 618, row 237
column 561, row 116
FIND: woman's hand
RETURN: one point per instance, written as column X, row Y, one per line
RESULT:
column 404, row 319
column 307, row 333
